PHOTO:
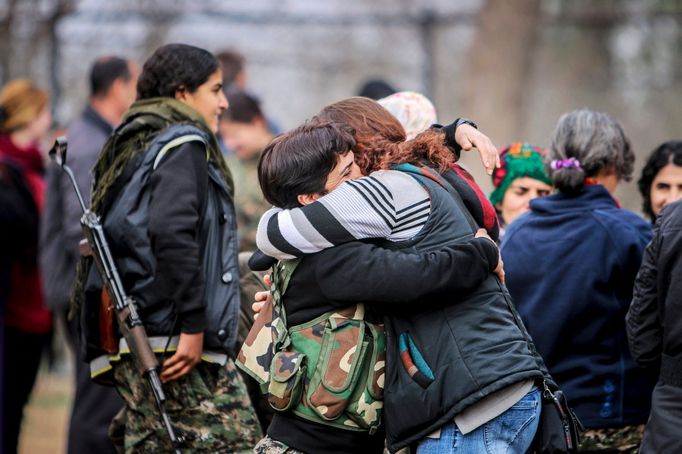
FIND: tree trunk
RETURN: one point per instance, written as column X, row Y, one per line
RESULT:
column 500, row 63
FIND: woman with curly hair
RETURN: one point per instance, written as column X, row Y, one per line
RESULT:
column 390, row 204
column 661, row 180
column 461, row 372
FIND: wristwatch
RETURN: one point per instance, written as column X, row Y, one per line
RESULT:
column 465, row 121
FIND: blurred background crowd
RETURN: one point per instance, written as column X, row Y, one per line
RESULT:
column 512, row 67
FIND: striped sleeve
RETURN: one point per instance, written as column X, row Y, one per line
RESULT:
column 386, row 204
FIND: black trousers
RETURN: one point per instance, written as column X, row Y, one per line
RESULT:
column 94, row 406
column 662, row 433
column 22, row 358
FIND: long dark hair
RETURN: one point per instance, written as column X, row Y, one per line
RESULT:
column 381, row 138
column 175, row 67
column 667, row 153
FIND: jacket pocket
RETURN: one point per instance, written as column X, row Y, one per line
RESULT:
column 287, row 374
column 413, row 361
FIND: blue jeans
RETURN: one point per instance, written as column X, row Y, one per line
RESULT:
column 511, row 432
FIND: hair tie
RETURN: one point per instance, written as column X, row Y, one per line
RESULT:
column 3, row 114
column 570, row 163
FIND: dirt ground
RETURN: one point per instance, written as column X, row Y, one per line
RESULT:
column 46, row 418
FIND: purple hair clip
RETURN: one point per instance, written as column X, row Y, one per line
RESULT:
column 565, row 164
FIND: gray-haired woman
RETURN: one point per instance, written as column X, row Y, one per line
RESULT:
column 571, row 264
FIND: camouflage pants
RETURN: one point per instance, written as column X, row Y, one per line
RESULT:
column 619, row 440
column 271, row 446
column 209, row 407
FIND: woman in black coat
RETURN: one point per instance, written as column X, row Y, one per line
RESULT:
column 654, row 327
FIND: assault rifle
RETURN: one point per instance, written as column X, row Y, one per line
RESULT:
column 129, row 322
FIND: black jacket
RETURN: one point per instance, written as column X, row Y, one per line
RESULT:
column 654, row 327
column 18, row 216
column 357, row 272
column 18, row 225
column 177, row 254
column 654, row 320
column 472, row 347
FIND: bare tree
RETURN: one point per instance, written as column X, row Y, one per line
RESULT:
column 6, row 39
column 28, row 39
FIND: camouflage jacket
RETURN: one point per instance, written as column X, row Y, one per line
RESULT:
column 329, row 370
column 248, row 200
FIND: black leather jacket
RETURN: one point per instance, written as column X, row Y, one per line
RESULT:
column 126, row 225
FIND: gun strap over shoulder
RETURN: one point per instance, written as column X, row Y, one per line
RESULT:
column 281, row 276
column 170, row 140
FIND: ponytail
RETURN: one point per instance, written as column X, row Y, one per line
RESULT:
column 568, row 175
column 584, row 143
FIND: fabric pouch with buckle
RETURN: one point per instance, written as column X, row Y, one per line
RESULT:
column 287, row 372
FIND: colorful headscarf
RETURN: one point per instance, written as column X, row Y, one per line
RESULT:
column 518, row 160
column 414, row 111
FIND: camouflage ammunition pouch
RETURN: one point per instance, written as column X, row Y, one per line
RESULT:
column 346, row 358
column 329, row 370
column 287, row 373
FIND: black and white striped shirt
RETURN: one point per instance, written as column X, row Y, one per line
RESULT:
column 385, row 204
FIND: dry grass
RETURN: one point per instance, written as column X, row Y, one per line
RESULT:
column 46, row 417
